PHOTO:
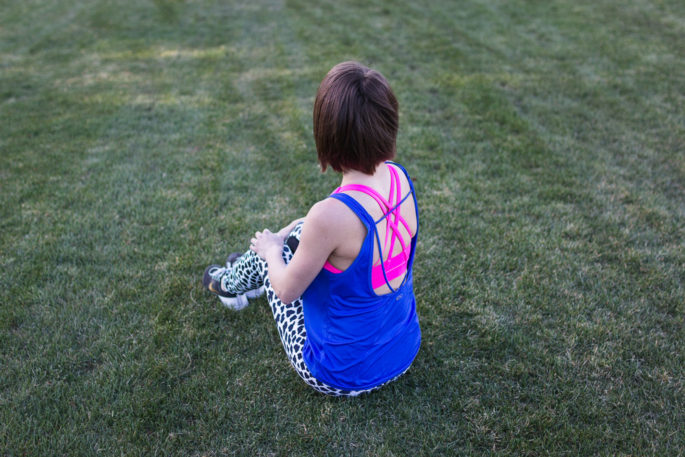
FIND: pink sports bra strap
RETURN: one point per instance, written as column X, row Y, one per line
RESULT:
column 385, row 206
column 393, row 266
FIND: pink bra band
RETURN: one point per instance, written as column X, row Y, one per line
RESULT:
column 329, row 267
column 394, row 267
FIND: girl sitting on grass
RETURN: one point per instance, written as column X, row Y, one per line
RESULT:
column 339, row 281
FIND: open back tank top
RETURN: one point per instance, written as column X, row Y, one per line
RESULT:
column 357, row 339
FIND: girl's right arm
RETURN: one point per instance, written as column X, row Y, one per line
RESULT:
column 320, row 236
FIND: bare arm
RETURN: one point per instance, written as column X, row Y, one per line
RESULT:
column 317, row 242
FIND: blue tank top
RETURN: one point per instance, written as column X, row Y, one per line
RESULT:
column 355, row 338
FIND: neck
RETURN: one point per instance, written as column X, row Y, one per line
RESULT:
column 358, row 177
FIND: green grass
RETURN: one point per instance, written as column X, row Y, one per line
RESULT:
column 142, row 140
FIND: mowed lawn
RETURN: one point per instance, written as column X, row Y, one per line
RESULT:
column 142, row 140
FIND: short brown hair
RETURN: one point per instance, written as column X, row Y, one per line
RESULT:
column 355, row 119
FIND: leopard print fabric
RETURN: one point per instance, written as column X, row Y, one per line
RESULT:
column 251, row 272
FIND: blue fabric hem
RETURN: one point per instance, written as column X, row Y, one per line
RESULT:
column 368, row 386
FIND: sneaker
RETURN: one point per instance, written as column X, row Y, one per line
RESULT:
column 230, row 260
column 212, row 282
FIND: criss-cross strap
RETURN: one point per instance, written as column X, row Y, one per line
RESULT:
column 393, row 266
column 390, row 208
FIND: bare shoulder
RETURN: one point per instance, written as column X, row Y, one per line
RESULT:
column 337, row 229
column 331, row 223
column 329, row 215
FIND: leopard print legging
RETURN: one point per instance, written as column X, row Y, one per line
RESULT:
column 251, row 272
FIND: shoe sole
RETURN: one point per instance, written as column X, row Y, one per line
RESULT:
column 255, row 293
column 239, row 302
